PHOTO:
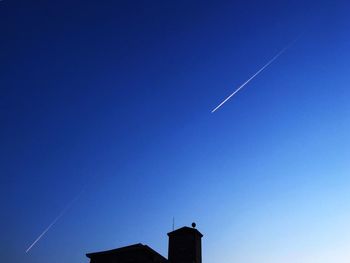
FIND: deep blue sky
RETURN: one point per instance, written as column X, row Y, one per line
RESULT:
column 115, row 97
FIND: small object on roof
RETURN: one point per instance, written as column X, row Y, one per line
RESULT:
column 193, row 224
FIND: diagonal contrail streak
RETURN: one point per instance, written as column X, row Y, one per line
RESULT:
column 257, row 73
column 54, row 221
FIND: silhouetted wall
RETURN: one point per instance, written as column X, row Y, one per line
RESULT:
column 137, row 253
column 185, row 246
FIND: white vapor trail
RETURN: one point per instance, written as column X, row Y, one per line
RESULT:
column 54, row 221
column 257, row 73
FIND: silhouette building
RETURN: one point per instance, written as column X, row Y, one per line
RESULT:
column 184, row 247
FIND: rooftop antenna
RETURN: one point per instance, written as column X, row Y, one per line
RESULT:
column 173, row 223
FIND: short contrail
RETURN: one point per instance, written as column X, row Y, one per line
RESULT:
column 54, row 221
column 257, row 73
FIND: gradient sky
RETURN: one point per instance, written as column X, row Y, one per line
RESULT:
column 114, row 97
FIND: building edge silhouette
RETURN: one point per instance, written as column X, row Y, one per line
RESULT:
column 184, row 246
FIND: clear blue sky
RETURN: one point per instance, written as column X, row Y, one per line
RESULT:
column 115, row 97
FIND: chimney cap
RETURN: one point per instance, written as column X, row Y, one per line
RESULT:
column 185, row 230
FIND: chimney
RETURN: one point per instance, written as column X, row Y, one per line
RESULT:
column 185, row 245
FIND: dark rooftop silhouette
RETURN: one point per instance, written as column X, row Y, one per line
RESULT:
column 184, row 247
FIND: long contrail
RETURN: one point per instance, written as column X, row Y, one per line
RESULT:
column 257, row 73
column 54, row 221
